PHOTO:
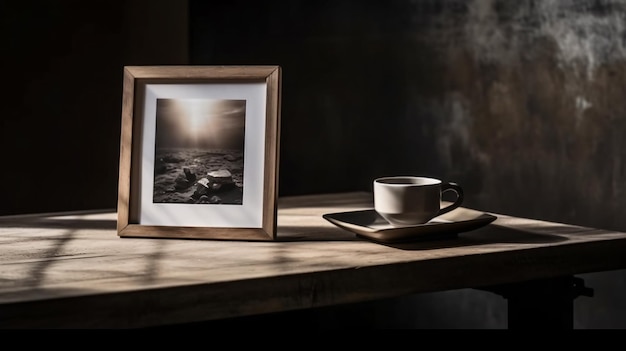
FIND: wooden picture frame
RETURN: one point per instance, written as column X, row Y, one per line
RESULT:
column 199, row 152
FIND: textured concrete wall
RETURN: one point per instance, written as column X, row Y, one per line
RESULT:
column 521, row 102
column 530, row 109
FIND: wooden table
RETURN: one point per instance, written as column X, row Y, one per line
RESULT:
column 71, row 270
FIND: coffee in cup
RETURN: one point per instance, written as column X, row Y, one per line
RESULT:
column 412, row 200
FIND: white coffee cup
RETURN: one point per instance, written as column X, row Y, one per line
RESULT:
column 412, row 200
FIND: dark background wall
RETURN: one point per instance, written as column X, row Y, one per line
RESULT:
column 521, row 102
column 61, row 103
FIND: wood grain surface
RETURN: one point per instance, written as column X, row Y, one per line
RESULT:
column 66, row 270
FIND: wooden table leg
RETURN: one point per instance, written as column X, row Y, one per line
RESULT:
column 542, row 304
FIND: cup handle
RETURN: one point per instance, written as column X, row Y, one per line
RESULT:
column 459, row 197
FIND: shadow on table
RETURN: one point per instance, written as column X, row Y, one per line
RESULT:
column 56, row 223
column 489, row 235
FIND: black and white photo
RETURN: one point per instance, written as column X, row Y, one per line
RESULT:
column 199, row 155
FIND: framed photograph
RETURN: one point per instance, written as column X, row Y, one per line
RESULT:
column 199, row 152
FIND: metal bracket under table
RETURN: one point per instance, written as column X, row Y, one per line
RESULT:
column 542, row 304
